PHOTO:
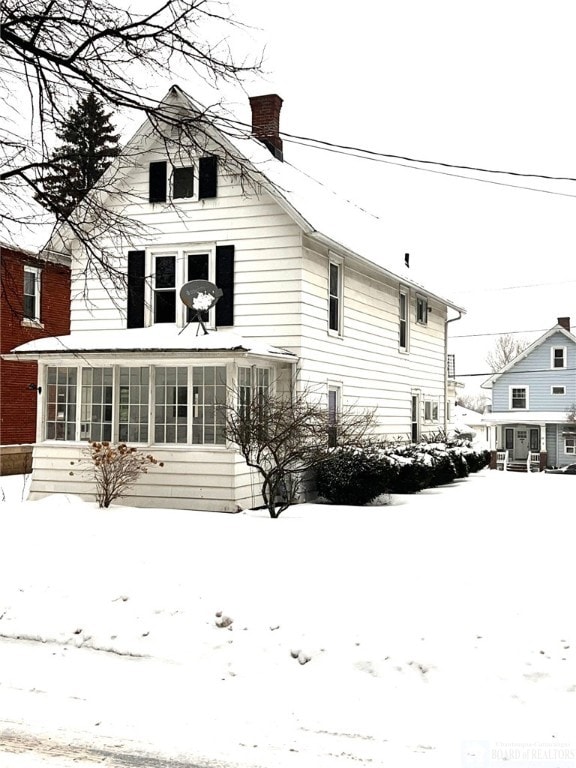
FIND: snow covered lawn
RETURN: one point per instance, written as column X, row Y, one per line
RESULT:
column 440, row 630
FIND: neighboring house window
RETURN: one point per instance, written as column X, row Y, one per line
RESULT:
column 133, row 399
column 32, row 293
column 570, row 445
column 518, row 398
column 534, row 439
column 208, row 405
column 61, row 403
column 183, row 182
column 171, row 405
column 335, row 297
column 421, row 310
column 558, row 357
column 558, row 390
column 96, row 404
column 430, row 410
column 403, row 310
column 333, row 409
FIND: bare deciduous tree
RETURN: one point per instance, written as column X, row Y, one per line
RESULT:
column 472, row 402
column 53, row 52
column 282, row 437
column 506, row 348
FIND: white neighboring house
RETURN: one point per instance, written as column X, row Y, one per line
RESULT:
column 468, row 424
column 311, row 297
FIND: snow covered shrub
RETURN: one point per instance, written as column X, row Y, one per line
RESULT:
column 412, row 477
column 115, row 469
column 459, row 462
column 443, row 469
column 354, row 476
column 477, row 460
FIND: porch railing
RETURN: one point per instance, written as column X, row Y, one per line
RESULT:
column 502, row 460
column 533, row 461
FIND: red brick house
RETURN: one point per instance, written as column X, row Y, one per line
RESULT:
column 34, row 303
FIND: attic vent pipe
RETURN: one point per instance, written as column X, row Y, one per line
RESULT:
column 266, row 122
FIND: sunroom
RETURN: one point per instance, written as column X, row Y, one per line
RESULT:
column 159, row 389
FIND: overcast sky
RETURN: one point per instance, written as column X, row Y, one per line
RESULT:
column 487, row 84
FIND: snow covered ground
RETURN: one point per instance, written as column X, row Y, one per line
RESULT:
column 440, row 629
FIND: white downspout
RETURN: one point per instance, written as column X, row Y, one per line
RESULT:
column 446, row 367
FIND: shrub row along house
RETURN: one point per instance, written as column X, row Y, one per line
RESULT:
column 310, row 299
column 532, row 397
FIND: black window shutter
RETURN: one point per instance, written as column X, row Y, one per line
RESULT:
column 225, row 281
column 197, row 270
column 136, row 279
column 207, row 177
column 157, row 189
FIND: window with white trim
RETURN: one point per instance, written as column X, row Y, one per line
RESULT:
column 559, row 389
column 115, row 403
column 31, row 298
column 570, row 446
column 183, row 182
column 558, row 357
column 169, row 272
column 133, row 409
column 96, row 404
column 335, row 296
column 333, row 410
column 422, row 310
column 518, row 398
column 60, row 403
column 430, row 410
column 208, row 401
column 171, row 405
column 403, row 304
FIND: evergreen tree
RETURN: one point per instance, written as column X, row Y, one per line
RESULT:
column 89, row 145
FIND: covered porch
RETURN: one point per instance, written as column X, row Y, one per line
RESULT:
column 517, row 444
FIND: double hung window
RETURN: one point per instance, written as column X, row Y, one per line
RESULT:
column 518, row 398
column 31, row 298
column 335, row 296
column 403, row 319
column 558, row 357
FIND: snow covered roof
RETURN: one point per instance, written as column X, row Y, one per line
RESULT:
column 323, row 215
column 165, row 337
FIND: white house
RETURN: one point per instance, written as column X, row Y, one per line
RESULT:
column 311, row 297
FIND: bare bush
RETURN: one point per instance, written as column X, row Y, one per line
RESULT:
column 115, row 469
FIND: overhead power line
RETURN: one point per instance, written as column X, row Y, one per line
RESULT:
column 361, row 151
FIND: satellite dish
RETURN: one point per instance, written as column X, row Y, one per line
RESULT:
column 200, row 296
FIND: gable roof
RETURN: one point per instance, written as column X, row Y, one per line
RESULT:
column 336, row 223
column 555, row 329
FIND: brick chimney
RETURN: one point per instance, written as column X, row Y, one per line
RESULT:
column 266, row 122
column 565, row 323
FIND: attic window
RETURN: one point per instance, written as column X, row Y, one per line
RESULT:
column 183, row 182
